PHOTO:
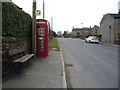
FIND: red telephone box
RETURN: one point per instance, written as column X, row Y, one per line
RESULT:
column 42, row 36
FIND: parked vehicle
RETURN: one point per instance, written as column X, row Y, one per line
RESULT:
column 92, row 39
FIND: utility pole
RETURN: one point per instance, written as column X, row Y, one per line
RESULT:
column 34, row 28
column 43, row 9
column 51, row 27
column 1, row 44
column 0, row 20
column 52, row 23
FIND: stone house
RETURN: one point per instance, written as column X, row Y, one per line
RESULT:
column 110, row 28
column 80, row 31
column 95, row 30
column 75, row 32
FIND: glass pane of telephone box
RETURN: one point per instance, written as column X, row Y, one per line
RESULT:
column 41, row 38
column 41, row 31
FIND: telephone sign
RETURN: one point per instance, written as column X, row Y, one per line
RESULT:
column 38, row 12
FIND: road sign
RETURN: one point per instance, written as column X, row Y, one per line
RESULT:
column 38, row 12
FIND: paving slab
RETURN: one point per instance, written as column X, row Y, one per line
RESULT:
column 39, row 73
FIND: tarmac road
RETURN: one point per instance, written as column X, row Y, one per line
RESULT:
column 90, row 65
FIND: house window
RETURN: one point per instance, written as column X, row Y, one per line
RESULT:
column 109, row 26
column 95, row 31
column 78, row 33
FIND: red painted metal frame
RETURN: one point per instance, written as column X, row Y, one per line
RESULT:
column 42, row 43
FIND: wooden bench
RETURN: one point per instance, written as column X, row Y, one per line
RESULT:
column 23, row 58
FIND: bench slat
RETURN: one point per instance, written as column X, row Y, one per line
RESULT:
column 15, row 51
column 24, row 58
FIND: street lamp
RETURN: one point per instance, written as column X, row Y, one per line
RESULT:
column 82, row 25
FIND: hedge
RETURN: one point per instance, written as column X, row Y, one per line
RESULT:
column 97, row 35
column 15, row 22
column 84, row 36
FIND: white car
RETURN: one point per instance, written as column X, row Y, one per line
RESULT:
column 91, row 39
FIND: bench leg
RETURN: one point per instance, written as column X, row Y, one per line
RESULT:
column 18, row 66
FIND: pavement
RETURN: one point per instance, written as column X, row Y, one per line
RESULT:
column 45, row 72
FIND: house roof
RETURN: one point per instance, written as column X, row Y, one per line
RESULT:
column 116, row 16
column 81, row 29
column 113, row 15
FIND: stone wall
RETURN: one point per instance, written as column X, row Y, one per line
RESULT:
column 10, row 43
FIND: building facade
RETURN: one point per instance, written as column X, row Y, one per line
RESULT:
column 80, row 31
column 95, row 30
column 110, row 28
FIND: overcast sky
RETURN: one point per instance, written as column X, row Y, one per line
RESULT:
column 69, row 13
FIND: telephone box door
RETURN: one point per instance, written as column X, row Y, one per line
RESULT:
column 42, row 38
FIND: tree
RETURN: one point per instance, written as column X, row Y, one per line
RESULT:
column 65, row 34
column 53, row 33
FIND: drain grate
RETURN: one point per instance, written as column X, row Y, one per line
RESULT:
column 69, row 65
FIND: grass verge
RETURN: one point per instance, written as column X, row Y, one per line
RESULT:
column 53, row 44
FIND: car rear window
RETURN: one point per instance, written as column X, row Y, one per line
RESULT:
column 93, row 37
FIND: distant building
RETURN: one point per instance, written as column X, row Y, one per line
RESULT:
column 86, row 31
column 75, row 32
column 95, row 30
column 80, row 31
column 110, row 28
column 59, row 34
